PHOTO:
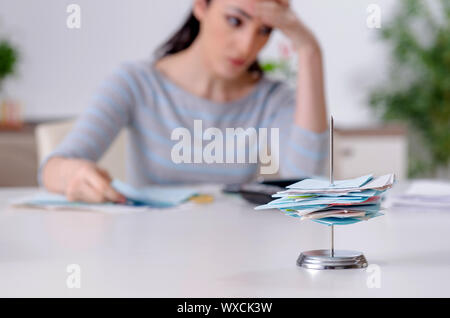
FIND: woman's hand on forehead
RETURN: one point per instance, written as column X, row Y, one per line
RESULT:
column 279, row 14
column 274, row 12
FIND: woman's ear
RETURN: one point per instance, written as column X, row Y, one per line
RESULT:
column 199, row 9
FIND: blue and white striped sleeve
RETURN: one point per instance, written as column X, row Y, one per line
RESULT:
column 111, row 109
column 302, row 153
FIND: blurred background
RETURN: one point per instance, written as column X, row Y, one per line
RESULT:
column 387, row 69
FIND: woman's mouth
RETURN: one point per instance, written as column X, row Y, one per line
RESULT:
column 237, row 62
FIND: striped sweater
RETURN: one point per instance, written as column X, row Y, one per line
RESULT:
column 142, row 99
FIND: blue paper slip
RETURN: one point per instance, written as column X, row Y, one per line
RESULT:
column 156, row 196
column 337, row 221
column 152, row 196
column 293, row 204
column 289, row 206
column 51, row 199
column 316, row 184
column 365, row 193
column 330, row 200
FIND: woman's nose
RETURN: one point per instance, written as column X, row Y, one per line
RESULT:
column 246, row 43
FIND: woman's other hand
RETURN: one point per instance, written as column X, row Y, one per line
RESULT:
column 80, row 180
column 279, row 14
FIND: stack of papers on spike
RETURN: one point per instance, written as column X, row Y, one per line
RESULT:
column 345, row 202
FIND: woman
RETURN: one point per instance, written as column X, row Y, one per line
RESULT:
column 207, row 71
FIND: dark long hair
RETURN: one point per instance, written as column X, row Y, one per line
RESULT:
column 185, row 36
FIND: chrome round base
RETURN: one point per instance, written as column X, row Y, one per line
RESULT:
column 323, row 259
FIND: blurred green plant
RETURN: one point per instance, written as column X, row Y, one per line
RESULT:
column 282, row 67
column 418, row 92
column 8, row 60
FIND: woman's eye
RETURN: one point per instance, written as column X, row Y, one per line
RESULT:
column 265, row 30
column 234, row 21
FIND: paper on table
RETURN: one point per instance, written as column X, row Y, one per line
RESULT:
column 149, row 197
column 432, row 188
column 50, row 201
column 428, row 194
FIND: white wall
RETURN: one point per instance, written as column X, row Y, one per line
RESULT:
column 60, row 67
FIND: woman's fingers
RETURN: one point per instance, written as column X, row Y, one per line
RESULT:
column 278, row 14
column 91, row 195
column 84, row 192
column 284, row 2
column 92, row 184
column 271, row 12
column 101, row 182
column 112, row 195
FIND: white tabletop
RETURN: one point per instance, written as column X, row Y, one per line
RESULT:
column 223, row 249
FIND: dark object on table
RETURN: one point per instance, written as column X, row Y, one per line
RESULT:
column 260, row 192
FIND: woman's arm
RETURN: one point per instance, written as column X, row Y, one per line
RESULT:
column 311, row 111
column 304, row 143
column 71, row 169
